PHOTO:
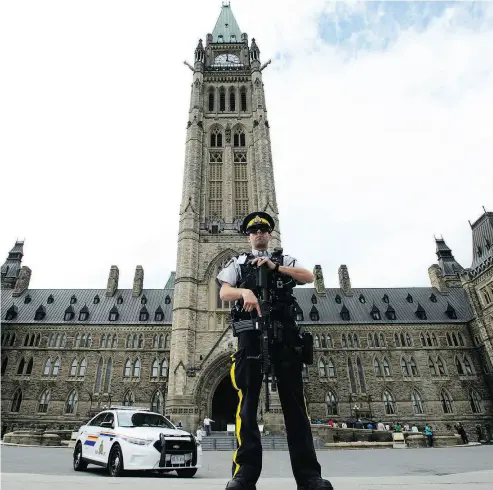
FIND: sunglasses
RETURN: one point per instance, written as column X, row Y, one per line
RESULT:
column 254, row 231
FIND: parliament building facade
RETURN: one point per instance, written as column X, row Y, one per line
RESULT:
column 410, row 354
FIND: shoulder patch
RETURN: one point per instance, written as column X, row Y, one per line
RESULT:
column 228, row 263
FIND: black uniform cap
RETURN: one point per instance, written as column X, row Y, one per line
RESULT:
column 257, row 220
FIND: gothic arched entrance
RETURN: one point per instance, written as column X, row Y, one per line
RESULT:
column 224, row 405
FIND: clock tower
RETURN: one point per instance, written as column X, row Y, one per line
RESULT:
column 228, row 173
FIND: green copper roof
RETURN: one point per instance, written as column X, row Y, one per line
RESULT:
column 226, row 29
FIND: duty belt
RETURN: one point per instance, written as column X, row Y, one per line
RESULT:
column 252, row 325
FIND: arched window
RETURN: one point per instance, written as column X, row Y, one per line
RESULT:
column 375, row 340
column 57, row 340
column 135, row 341
column 349, row 340
column 128, row 399
column 44, row 400
column 33, row 339
column 428, row 340
column 417, row 402
column 356, row 341
column 52, row 340
column 47, row 368
column 461, row 339
column 370, row 340
column 155, row 342
column 332, row 406
column 332, row 369
column 73, row 368
column 386, row 367
column 128, row 344
column 107, row 376
column 414, row 367
column 376, row 367
column 329, row 342
column 16, row 402
column 56, row 367
column 458, row 365
column 29, row 368
column 441, row 367
column 409, row 340
column 431, row 365
column 405, row 369
column 141, row 341
column 136, row 372
column 83, row 340
column 157, row 403
column 126, row 372
column 164, row 368
column 396, row 339
column 216, row 138
column 71, row 406
column 322, row 342
column 99, row 375
column 20, row 368
column 317, row 341
column 222, row 99
column 239, row 138
column 361, row 375
column 108, row 341
column 352, row 381
column 38, row 340
column 211, row 100
column 343, row 340
column 403, row 340
column 382, row 340
column 474, row 400
column 449, row 339
column 243, row 99
column 161, row 342
column 434, row 339
column 82, row 367
column 468, row 366
column 454, row 340
column 388, row 402
column 26, row 340
column 77, row 340
column 447, row 403
column 115, row 341
column 103, row 340
column 155, row 369
column 232, row 99
column 322, row 372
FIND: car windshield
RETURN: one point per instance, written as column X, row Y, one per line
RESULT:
column 143, row 419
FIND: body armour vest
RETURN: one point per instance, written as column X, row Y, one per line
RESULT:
column 283, row 303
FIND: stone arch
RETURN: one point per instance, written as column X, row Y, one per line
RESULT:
column 206, row 386
column 218, row 259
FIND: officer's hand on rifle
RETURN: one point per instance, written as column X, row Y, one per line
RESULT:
column 259, row 261
column 250, row 301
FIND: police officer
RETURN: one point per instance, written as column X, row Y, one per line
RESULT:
column 246, row 371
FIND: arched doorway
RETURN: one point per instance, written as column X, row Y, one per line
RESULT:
column 224, row 405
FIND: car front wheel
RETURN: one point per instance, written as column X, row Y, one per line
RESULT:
column 79, row 463
column 187, row 473
column 115, row 461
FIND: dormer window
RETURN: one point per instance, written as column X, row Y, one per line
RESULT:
column 114, row 314
column 11, row 313
column 421, row 313
column 167, row 300
column 314, row 316
column 143, row 300
column 27, row 299
column 385, row 298
column 375, row 313
column 144, row 314
column 119, row 301
column 409, row 298
column 450, row 312
column 345, row 314
column 362, row 299
column 40, row 313
column 433, row 298
column 390, row 313
column 83, row 314
column 233, row 38
column 50, row 299
column 159, row 315
column 220, row 38
column 96, row 300
column 69, row 314
column 73, row 300
column 299, row 316
column 338, row 300
column 314, row 299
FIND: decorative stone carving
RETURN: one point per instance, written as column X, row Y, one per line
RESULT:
column 228, row 134
column 344, row 280
column 22, row 283
column 138, row 281
column 319, row 280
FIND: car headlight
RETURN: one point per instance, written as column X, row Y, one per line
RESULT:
column 136, row 440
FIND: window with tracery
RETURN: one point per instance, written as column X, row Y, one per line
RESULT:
column 240, row 183
column 216, row 138
column 215, row 184
column 232, row 99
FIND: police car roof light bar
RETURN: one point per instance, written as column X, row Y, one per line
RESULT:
column 126, row 407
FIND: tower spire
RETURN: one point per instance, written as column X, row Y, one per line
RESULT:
column 226, row 29
column 448, row 265
column 12, row 265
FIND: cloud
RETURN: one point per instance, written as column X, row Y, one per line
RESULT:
column 380, row 131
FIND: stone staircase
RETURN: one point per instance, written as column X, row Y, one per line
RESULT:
column 223, row 441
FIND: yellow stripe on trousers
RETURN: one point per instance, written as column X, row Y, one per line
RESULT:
column 238, row 418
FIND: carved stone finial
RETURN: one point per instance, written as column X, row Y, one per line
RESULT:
column 112, row 281
column 344, row 280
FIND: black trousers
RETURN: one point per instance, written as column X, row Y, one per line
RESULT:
column 246, row 377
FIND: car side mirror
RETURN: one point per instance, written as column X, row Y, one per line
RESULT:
column 108, row 425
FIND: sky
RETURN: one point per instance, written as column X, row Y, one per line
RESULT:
column 380, row 116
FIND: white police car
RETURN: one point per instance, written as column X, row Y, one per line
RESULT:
column 129, row 438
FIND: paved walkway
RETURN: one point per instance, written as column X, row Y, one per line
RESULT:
column 19, row 481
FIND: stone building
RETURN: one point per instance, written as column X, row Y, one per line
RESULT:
column 410, row 354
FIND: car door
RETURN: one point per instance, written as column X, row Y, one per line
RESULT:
column 106, row 435
column 91, row 436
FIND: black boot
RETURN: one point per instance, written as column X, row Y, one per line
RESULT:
column 316, row 484
column 240, row 484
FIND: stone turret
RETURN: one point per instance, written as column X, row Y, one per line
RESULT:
column 436, row 278
column 319, row 280
column 22, row 283
column 112, row 281
column 345, row 281
column 138, row 281
column 12, row 266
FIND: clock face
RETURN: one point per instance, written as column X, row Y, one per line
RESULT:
column 227, row 59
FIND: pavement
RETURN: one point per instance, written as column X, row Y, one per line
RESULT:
column 420, row 469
